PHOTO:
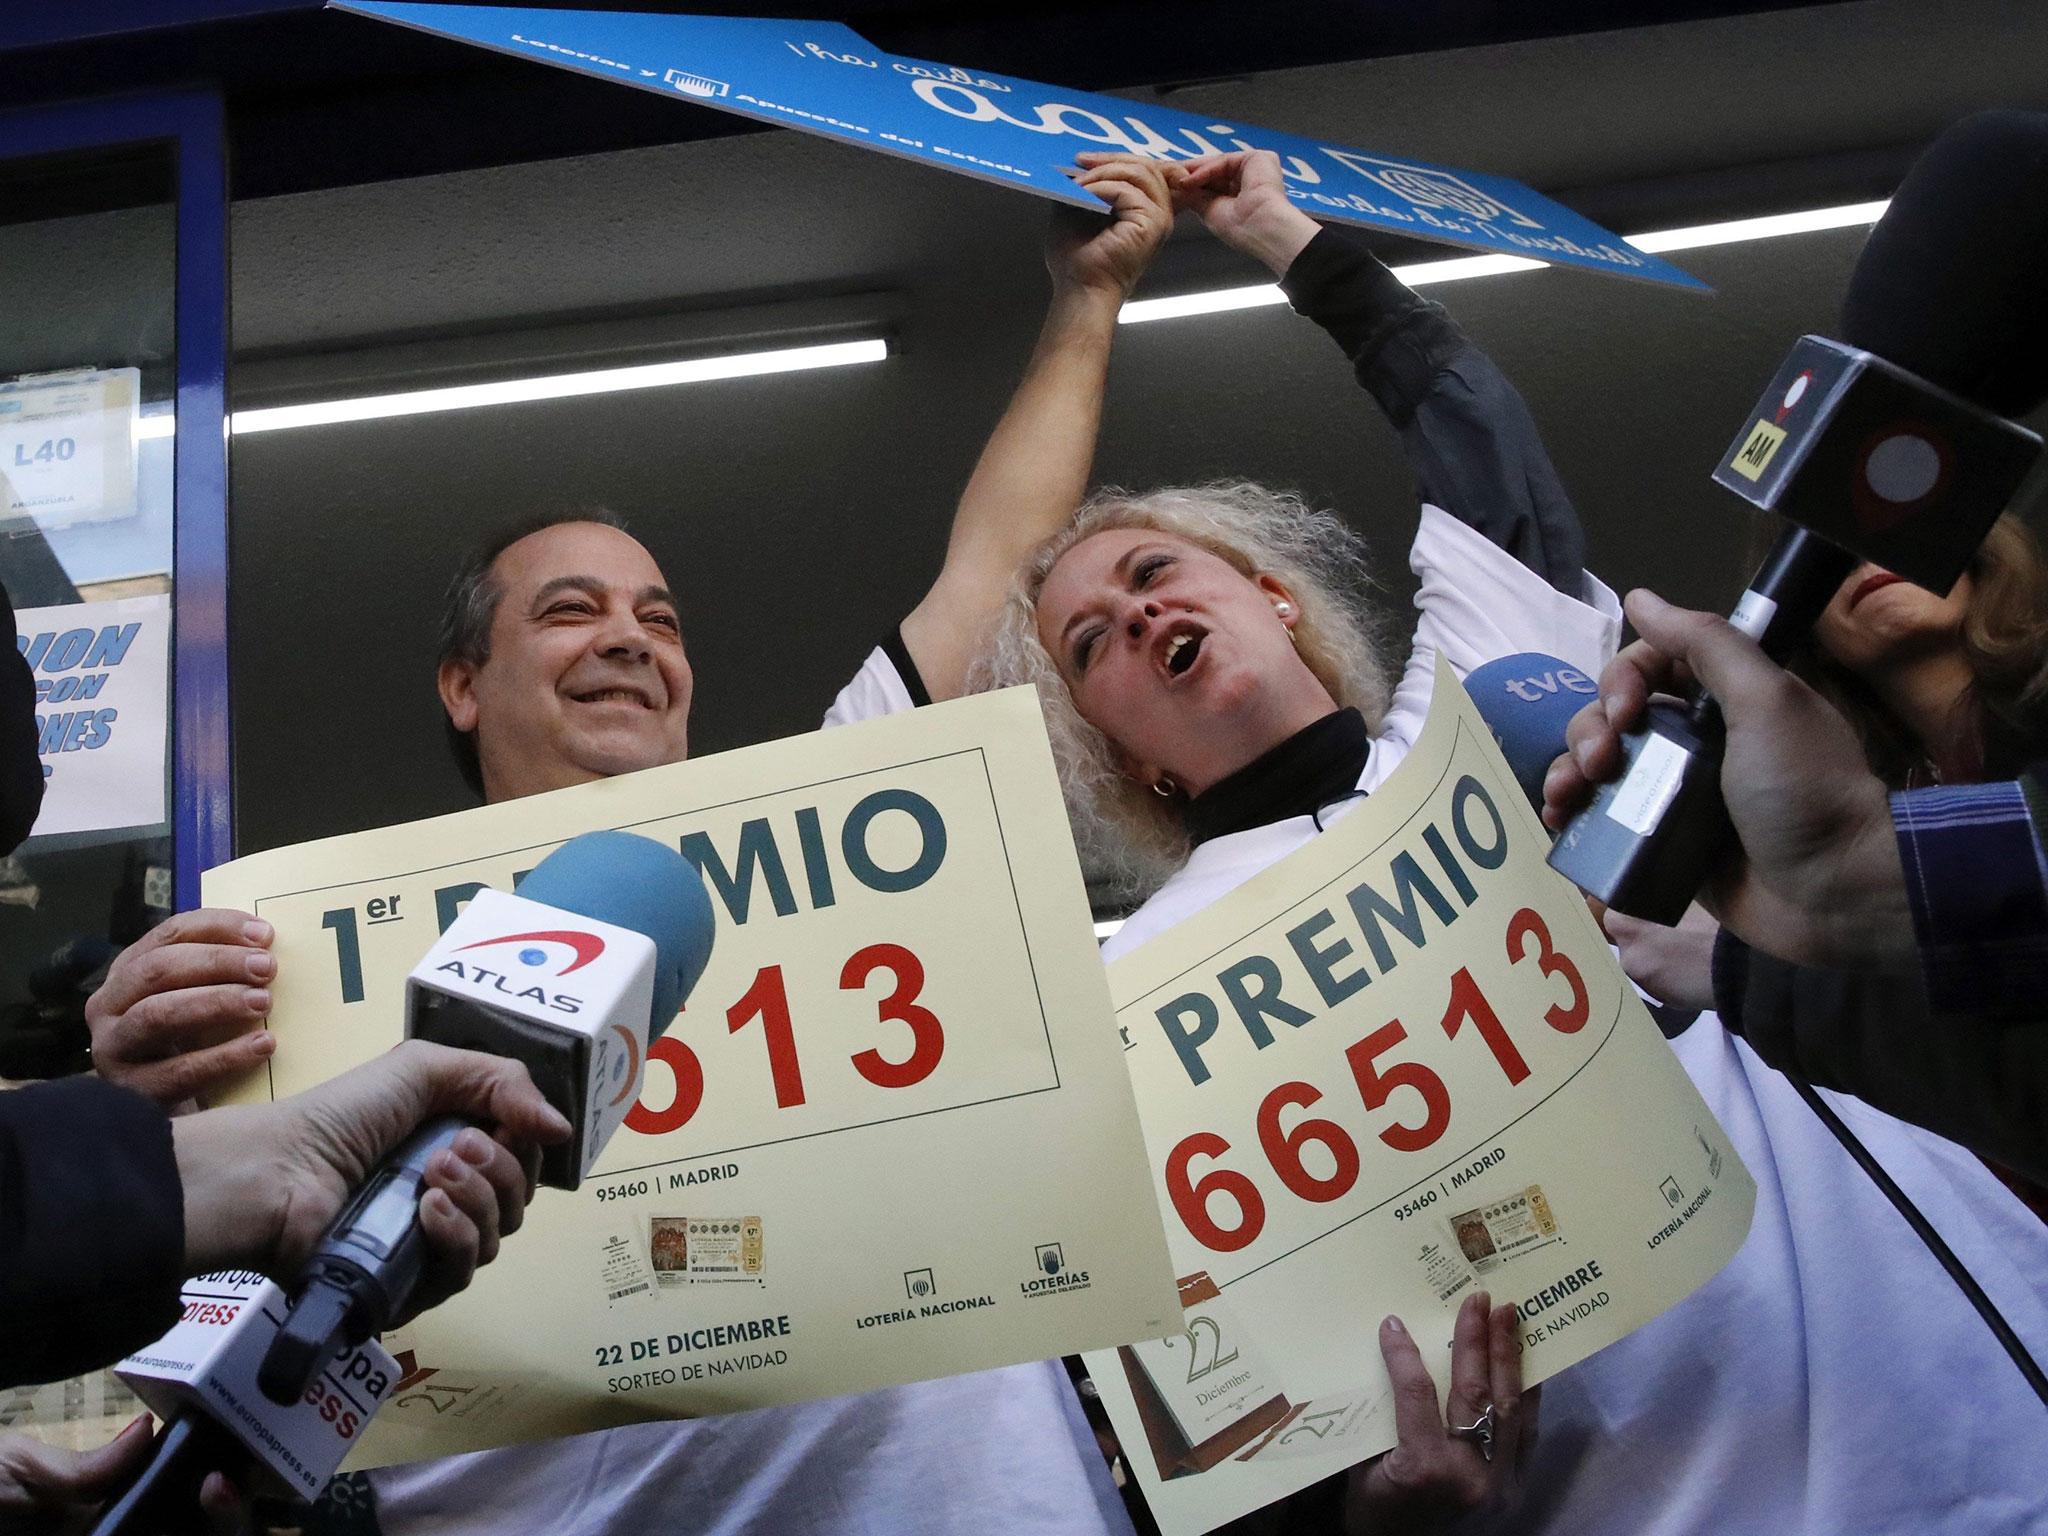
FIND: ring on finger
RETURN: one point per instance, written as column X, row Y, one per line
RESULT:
column 1479, row 1432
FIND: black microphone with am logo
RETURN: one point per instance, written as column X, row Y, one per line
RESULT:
column 1892, row 447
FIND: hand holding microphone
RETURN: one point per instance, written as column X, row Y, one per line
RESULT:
column 532, row 1013
column 571, row 980
column 1816, row 877
column 263, row 1181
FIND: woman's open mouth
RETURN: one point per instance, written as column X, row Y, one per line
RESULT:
column 1182, row 650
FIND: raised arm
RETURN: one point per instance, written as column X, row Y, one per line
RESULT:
column 1466, row 430
column 1034, row 470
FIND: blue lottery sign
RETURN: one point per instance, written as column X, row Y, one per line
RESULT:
column 824, row 78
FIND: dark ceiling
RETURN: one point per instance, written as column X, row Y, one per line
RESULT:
column 324, row 99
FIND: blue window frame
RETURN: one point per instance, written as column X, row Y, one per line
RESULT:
column 202, row 795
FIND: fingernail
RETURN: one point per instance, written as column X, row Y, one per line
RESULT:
column 258, row 999
column 263, row 1042
column 557, row 1122
column 258, row 932
column 1485, row 1300
column 474, row 1146
column 263, row 965
column 1393, row 1325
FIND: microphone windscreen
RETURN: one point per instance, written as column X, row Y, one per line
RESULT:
column 1526, row 701
column 634, row 882
column 1949, row 285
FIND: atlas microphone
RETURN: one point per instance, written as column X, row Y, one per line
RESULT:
column 575, row 976
column 1869, row 460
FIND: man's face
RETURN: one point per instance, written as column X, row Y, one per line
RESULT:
column 586, row 676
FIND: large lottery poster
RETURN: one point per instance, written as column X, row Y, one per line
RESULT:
column 889, row 1136
column 1396, row 1067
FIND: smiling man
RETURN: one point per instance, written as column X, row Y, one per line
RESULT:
column 562, row 660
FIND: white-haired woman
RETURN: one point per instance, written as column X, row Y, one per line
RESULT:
column 1211, row 690
column 1212, row 672
column 1807, row 1387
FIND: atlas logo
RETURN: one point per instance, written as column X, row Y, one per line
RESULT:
column 586, row 947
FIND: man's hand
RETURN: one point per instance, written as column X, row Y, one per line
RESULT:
column 1434, row 1476
column 1674, row 965
column 1084, row 254
column 263, row 1181
column 182, row 1009
column 1242, row 197
column 45, row 1490
column 1817, row 878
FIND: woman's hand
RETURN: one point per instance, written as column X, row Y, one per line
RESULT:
column 1242, row 197
column 1084, row 254
column 1436, row 1474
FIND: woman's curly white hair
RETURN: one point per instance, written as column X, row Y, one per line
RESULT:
column 1130, row 839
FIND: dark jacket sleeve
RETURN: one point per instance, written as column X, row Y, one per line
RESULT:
column 21, row 770
column 92, row 1228
column 1467, row 431
column 1977, row 1082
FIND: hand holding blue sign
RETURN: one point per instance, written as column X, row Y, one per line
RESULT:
column 1082, row 252
column 1242, row 197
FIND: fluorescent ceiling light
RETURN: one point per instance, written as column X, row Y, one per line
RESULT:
column 1138, row 311
column 1848, row 216
column 1415, row 275
column 164, row 424
column 558, row 386
column 1418, row 274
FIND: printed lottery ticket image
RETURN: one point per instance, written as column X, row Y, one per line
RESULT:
column 1490, row 1235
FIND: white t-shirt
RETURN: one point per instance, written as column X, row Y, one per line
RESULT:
column 1830, row 1381
column 1006, row 1450
column 998, row 1450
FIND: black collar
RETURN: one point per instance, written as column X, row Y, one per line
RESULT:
column 1317, row 764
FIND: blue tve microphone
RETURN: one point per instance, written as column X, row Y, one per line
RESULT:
column 1526, row 701
column 575, row 975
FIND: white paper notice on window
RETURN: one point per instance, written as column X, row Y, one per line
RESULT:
column 102, row 675
column 67, row 446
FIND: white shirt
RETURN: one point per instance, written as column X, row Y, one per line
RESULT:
column 1830, row 1381
column 998, row 1450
